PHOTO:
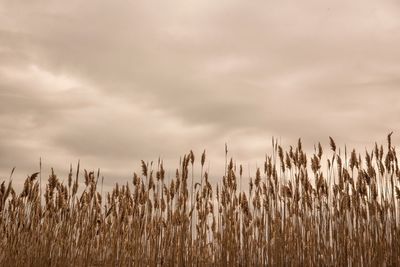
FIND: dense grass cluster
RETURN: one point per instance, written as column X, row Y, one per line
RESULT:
column 292, row 212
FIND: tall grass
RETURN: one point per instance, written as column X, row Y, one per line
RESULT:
column 292, row 212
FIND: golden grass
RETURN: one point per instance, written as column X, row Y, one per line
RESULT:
column 292, row 213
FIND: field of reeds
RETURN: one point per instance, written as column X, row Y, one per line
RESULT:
column 333, row 208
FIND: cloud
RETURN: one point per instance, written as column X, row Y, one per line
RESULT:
column 111, row 83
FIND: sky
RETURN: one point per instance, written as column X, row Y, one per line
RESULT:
column 112, row 82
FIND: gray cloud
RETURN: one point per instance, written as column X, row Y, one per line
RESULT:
column 111, row 83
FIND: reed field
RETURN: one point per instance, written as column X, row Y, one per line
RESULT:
column 336, row 207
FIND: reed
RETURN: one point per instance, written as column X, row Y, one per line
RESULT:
column 294, row 212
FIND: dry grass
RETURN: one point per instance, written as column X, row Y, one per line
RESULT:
column 292, row 212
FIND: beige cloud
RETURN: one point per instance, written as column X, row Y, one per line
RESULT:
column 113, row 82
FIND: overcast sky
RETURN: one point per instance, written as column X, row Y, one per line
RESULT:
column 110, row 83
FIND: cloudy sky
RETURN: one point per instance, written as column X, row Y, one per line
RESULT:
column 112, row 82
